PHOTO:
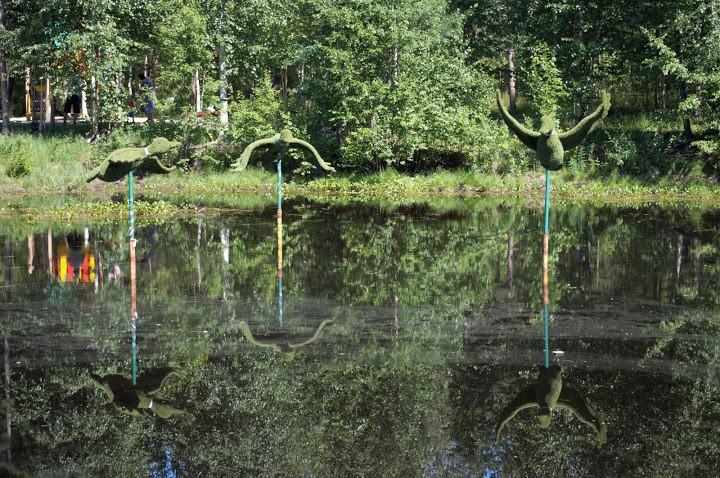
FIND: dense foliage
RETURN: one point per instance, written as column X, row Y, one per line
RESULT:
column 375, row 85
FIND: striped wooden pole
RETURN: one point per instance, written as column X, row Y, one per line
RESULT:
column 279, row 238
column 546, row 254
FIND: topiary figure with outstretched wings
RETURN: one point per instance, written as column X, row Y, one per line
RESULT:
column 280, row 143
column 138, row 400
column 547, row 393
column 119, row 163
column 282, row 343
column 549, row 145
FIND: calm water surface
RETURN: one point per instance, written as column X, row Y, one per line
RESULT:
column 408, row 334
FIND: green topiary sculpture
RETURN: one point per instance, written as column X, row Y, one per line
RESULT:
column 280, row 143
column 281, row 344
column 549, row 145
column 119, row 163
column 548, row 393
column 137, row 400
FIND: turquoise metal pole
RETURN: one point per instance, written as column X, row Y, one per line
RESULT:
column 279, row 238
column 547, row 201
column 133, row 303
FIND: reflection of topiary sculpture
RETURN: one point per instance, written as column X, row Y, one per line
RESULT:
column 280, row 143
column 119, row 163
column 137, row 400
column 548, row 144
column 548, row 393
column 281, row 344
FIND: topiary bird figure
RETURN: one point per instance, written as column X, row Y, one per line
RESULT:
column 549, row 392
column 548, row 144
column 137, row 400
column 280, row 143
column 281, row 343
column 119, row 163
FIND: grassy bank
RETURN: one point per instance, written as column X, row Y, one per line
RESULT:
column 58, row 165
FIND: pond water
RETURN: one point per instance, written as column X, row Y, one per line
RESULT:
column 408, row 332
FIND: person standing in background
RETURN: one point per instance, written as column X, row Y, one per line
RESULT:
column 72, row 103
column 148, row 91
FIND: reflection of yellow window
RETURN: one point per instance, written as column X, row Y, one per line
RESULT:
column 63, row 252
column 92, row 265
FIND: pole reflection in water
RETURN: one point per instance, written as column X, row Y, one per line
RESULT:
column 549, row 391
column 31, row 254
column 6, row 342
column 279, row 238
column 546, row 259
column 133, row 309
column 136, row 397
column 133, row 295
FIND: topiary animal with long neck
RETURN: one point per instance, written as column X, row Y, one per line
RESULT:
column 280, row 143
column 119, row 163
column 548, row 144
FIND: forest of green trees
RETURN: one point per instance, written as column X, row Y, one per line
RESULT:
column 377, row 84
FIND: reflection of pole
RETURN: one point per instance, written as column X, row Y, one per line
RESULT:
column 8, row 416
column 546, row 253
column 133, row 290
column 133, row 310
column 279, row 238
column 31, row 253
column 8, row 297
column 225, row 241
column 50, row 254
column 510, row 265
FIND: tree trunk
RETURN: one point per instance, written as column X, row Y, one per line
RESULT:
column 41, row 103
column 5, row 105
column 223, row 85
column 511, row 83
column 196, row 91
column 94, row 116
column 687, row 128
column 28, row 95
column 657, row 93
column 284, row 81
column 392, row 67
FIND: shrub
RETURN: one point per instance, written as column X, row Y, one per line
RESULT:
column 19, row 164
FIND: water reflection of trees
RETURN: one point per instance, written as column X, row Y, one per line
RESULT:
column 401, row 390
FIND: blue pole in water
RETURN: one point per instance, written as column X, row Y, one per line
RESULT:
column 546, row 253
column 133, row 295
column 279, row 238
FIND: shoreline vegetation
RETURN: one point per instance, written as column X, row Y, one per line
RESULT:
column 182, row 194
column 43, row 175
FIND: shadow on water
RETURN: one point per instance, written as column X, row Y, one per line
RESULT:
column 409, row 347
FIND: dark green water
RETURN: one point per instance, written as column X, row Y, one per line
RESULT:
column 406, row 330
